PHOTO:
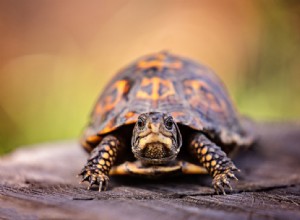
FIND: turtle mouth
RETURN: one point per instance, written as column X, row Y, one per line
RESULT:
column 155, row 161
column 155, row 148
column 155, row 153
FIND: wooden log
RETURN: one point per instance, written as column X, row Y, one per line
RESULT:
column 40, row 182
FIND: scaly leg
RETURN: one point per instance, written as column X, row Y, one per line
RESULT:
column 100, row 162
column 211, row 156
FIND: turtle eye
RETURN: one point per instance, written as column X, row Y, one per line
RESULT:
column 169, row 123
column 141, row 123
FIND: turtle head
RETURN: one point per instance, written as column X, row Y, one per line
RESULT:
column 156, row 138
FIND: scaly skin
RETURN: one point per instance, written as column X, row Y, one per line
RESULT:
column 211, row 156
column 100, row 162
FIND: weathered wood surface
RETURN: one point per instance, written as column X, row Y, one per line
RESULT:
column 40, row 182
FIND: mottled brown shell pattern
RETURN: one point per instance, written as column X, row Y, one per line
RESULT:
column 164, row 82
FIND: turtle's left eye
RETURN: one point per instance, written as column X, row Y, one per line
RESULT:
column 141, row 123
column 169, row 123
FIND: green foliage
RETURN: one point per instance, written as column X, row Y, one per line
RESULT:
column 271, row 83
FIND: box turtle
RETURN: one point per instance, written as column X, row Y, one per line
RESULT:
column 164, row 114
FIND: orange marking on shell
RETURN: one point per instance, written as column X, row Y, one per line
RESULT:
column 161, row 55
column 177, row 114
column 129, row 115
column 98, row 108
column 176, row 65
column 93, row 139
column 109, row 127
column 110, row 102
column 213, row 102
column 150, row 64
column 159, row 62
column 86, row 146
column 156, row 82
column 206, row 98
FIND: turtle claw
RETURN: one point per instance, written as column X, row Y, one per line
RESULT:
column 219, row 188
column 92, row 182
column 232, row 176
column 94, row 177
column 80, row 174
column 85, row 177
column 222, row 180
column 100, row 186
column 102, row 182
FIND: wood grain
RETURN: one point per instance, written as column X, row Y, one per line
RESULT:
column 40, row 183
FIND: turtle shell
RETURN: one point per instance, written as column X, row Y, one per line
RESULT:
column 165, row 82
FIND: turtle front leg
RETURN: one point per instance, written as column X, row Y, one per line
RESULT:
column 100, row 162
column 211, row 156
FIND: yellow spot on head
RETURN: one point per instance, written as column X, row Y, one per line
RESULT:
column 199, row 151
column 111, row 152
column 107, row 163
column 102, row 162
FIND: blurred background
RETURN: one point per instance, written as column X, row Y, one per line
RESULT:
column 56, row 56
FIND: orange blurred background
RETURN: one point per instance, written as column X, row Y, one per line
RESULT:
column 56, row 56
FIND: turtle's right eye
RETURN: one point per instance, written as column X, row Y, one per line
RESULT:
column 141, row 123
column 169, row 123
